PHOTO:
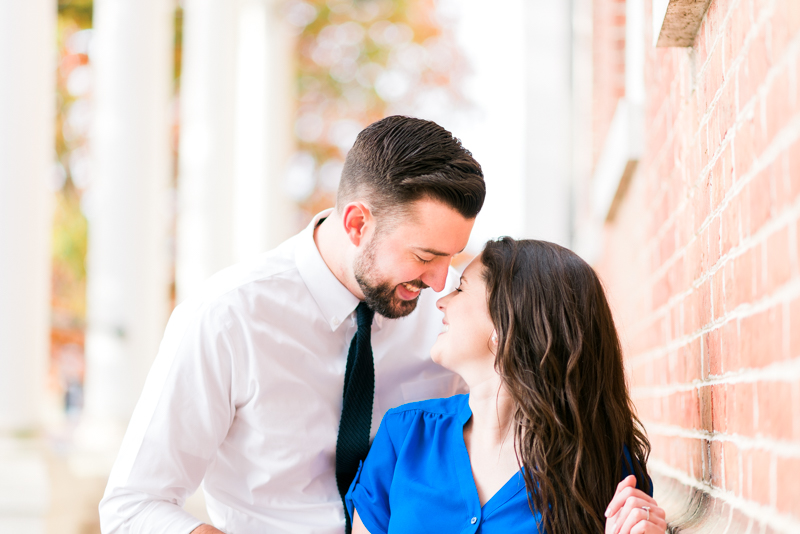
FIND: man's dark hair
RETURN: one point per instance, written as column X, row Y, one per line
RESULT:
column 399, row 160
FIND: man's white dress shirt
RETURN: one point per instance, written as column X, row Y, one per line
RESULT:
column 245, row 395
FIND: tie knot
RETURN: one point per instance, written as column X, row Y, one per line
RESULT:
column 364, row 315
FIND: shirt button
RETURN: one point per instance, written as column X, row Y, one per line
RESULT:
column 473, row 520
column 335, row 321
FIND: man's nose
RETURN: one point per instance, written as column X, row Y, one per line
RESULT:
column 436, row 276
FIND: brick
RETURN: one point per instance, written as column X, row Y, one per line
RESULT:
column 676, row 369
column 731, row 225
column 726, row 108
column 716, row 469
column 759, row 194
column 693, row 266
column 785, row 25
column 794, row 332
column 779, row 260
column 761, row 338
column 739, row 280
column 714, row 134
column 784, row 194
column 702, row 146
column 661, row 371
column 660, row 214
column 775, row 410
column 731, row 347
column 676, row 276
column 704, row 408
column 739, row 26
column 795, row 411
column 732, row 472
column 691, row 354
column 719, row 408
column 718, row 294
column 695, row 451
column 744, row 147
column 788, row 475
column 667, row 245
column 756, row 66
column 703, row 302
column 713, row 351
column 794, row 167
column 692, row 410
column 776, row 104
column 757, row 476
column 661, row 292
column 739, row 409
column 705, row 253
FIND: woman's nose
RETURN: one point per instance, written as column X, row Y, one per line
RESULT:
column 442, row 302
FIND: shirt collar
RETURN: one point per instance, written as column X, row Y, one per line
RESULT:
column 333, row 298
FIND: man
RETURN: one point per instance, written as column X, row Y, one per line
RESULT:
column 246, row 394
column 253, row 389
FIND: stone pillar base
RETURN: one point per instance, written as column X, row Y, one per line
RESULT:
column 24, row 486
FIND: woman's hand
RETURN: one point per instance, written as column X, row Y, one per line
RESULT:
column 632, row 511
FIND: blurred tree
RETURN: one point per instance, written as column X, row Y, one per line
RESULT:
column 359, row 61
column 71, row 176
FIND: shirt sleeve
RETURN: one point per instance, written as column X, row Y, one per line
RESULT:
column 182, row 416
column 369, row 492
column 627, row 470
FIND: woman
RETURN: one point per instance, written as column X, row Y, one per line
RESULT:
column 547, row 431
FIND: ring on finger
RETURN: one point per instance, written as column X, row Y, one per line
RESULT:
column 647, row 509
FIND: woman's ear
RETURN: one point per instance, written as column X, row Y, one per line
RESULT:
column 491, row 344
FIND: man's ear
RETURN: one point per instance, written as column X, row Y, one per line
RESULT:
column 357, row 221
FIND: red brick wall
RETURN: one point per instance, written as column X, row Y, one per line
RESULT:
column 701, row 264
column 608, row 55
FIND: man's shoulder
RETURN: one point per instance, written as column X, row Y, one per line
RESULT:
column 275, row 265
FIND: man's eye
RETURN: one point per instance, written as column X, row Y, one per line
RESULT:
column 459, row 289
column 423, row 261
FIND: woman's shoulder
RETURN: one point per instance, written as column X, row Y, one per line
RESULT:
column 444, row 406
column 423, row 416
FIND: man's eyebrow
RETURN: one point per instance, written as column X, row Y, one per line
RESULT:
column 436, row 252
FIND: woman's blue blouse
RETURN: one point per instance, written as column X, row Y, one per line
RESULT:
column 418, row 478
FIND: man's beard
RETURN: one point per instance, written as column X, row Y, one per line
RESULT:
column 382, row 297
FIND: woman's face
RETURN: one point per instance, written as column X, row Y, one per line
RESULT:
column 465, row 345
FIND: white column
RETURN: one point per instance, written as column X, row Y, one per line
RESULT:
column 27, row 149
column 548, row 143
column 206, row 166
column 263, row 214
column 127, row 264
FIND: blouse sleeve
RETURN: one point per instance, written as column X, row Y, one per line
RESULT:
column 369, row 492
column 627, row 470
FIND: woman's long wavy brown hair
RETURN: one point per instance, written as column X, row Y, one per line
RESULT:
column 560, row 359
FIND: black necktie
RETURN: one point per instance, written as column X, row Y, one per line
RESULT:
column 352, row 445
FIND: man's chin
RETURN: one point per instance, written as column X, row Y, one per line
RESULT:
column 394, row 308
column 385, row 299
